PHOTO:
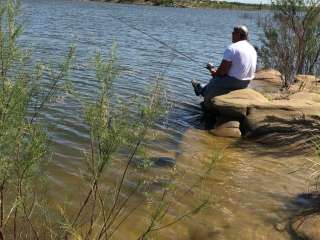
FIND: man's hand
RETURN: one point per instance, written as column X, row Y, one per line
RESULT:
column 213, row 72
column 212, row 69
column 209, row 66
column 223, row 69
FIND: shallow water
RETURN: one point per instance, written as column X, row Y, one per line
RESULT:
column 250, row 189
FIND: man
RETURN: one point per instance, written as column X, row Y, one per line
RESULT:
column 236, row 69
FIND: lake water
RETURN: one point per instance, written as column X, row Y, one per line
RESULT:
column 250, row 188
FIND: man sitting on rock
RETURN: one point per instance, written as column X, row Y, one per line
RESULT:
column 236, row 69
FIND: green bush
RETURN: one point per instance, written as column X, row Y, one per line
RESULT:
column 23, row 141
column 291, row 38
column 24, row 209
column 167, row 3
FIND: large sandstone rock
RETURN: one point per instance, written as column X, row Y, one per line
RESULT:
column 236, row 103
column 305, row 83
column 270, row 80
column 307, row 228
column 226, row 128
column 267, row 81
column 277, row 114
column 269, row 75
column 258, row 116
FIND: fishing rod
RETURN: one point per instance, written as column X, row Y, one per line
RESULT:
column 155, row 39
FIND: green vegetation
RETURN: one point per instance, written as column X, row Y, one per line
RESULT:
column 291, row 38
column 222, row 5
column 166, row 3
column 25, row 212
column 196, row 4
column 23, row 150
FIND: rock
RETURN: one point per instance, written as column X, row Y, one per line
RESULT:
column 198, row 231
column 306, row 97
column 306, row 78
column 307, row 227
column 309, row 200
column 270, row 81
column 304, row 83
column 226, row 128
column 155, row 162
column 155, row 185
column 235, row 103
column 277, row 121
column 280, row 226
column 300, row 107
column 164, row 162
column 269, row 75
column 227, row 123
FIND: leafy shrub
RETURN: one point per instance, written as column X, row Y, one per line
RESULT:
column 291, row 38
column 24, row 209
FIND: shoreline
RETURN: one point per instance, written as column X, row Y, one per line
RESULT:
column 187, row 4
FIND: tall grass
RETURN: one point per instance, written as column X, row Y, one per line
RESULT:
column 24, row 209
column 23, row 149
column 291, row 38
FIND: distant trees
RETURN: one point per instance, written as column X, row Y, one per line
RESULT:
column 291, row 38
column 168, row 3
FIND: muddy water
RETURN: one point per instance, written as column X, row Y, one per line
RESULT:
column 249, row 189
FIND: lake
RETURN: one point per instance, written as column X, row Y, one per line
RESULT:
column 250, row 188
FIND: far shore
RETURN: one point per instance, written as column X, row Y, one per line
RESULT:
column 194, row 4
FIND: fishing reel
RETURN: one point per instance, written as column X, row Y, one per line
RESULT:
column 209, row 66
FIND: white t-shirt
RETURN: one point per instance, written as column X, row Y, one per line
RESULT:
column 244, row 60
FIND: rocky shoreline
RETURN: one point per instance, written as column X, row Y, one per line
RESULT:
column 190, row 4
column 263, row 112
column 275, row 118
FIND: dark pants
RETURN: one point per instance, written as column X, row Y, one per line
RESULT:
column 222, row 85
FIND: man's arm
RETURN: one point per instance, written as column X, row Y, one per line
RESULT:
column 222, row 70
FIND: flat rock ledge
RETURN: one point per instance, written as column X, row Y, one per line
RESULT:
column 307, row 228
column 279, row 120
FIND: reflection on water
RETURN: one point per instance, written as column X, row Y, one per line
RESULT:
column 249, row 188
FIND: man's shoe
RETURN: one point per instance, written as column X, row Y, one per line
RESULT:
column 197, row 87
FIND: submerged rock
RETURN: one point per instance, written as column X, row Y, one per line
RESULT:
column 164, row 162
column 308, row 200
column 307, row 224
column 235, row 104
column 307, row 228
column 155, row 162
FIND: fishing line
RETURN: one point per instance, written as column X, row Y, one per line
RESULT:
column 155, row 39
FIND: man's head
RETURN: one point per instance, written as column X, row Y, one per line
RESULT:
column 239, row 33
